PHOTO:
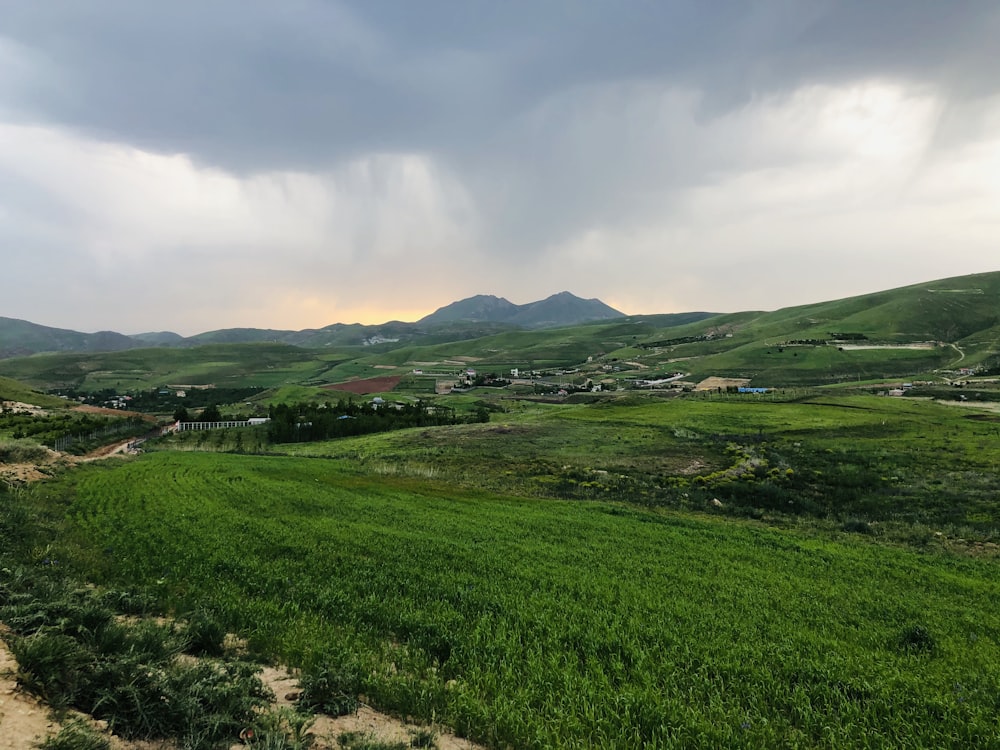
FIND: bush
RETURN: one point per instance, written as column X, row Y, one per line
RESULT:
column 22, row 452
column 857, row 526
column 53, row 666
column 76, row 735
column 201, row 704
column 204, row 634
column 331, row 685
column 73, row 653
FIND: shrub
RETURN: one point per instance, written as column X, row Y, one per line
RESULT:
column 280, row 729
column 22, row 452
column 76, row 735
column 857, row 526
column 331, row 685
column 53, row 666
column 204, row 634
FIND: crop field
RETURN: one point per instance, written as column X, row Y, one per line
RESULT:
column 536, row 623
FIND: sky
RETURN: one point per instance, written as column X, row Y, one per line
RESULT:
column 207, row 164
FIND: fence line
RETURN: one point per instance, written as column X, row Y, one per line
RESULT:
column 66, row 441
column 186, row 426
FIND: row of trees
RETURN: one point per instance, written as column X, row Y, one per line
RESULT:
column 302, row 422
column 210, row 413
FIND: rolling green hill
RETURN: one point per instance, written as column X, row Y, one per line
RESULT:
column 218, row 364
column 20, row 337
column 12, row 390
column 900, row 332
column 905, row 333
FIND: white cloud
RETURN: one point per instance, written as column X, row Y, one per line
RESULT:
column 826, row 192
column 136, row 218
column 625, row 191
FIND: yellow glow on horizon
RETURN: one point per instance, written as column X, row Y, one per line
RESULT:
column 312, row 312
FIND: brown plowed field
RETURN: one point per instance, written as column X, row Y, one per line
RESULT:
column 366, row 386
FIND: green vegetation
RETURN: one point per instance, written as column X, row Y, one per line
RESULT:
column 540, row 623
column 225, row 365
column 92, row 650
column 21, row 452
column 897, row 462
column 12, row 390
column 305, row 422
column 361, row 741
column 64, row 430
column 76, row 735
column 810, row 567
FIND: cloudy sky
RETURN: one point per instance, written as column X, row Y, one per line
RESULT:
column 203, row 164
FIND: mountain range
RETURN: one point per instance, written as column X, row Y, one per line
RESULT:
column 473, row 317
column 948, row 325
column 552, row 312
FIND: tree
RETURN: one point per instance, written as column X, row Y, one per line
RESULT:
column 181, row 415
column 210, row 414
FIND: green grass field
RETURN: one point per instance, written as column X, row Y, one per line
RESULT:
column 806, row 568
column 892, row 461
column 537, row 623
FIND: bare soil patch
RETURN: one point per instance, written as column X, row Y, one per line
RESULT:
column 366, row 386
column 367, row 721
column 21, row 406
column 711, row 383
column 32, row 472
column 983, row 417
column 23, row 721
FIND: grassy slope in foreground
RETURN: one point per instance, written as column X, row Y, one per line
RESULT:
column 535, row 624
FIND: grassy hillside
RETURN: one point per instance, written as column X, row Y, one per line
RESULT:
column 536, row 623
column 959, row 317
column 897, row 334
column 221, row 364
column 13, row 390
column 21, row 337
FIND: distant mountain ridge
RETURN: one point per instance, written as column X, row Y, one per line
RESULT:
column 956, row 317
column 562, row 309
column 21, row 337
column 473, row 317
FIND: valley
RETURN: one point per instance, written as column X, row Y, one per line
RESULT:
column 747, row 530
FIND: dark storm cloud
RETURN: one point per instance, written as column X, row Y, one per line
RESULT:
column 549, row 145
column 252, row 85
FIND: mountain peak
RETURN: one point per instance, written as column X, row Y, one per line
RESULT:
column 560, row 309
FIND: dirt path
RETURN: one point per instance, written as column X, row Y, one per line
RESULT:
column 23, row 721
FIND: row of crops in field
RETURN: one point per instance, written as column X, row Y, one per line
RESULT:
column 535, row 623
